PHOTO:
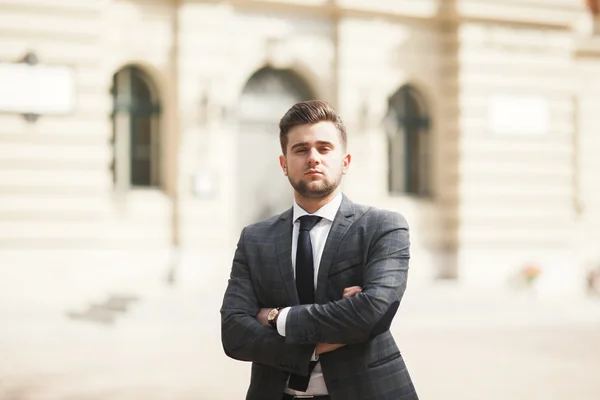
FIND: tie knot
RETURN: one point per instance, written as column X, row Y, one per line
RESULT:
column 307, row 222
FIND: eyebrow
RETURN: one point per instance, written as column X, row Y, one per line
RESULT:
column 321, row 142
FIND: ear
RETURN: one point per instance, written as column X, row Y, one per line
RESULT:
column 283, row 164
column 346, row 165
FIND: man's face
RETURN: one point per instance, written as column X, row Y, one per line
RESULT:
column 315, row 160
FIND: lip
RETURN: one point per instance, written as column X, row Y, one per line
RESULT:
column 313, row 172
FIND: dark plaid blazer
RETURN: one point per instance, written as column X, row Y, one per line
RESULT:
column 366, row 247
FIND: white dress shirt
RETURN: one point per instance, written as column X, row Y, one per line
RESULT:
column 318, row 237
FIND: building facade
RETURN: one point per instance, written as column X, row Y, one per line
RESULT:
column 476, row 119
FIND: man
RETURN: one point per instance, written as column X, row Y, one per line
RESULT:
column 313, row 291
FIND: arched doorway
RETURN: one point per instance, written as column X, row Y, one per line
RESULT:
column 136, row 130
column 409, row 143
column 263, row 190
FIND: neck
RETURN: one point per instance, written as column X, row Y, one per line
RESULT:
column 311, row 204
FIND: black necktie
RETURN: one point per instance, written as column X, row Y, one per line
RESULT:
column 305, row 283
column 305, row 270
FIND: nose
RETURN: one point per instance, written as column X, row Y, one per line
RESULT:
column 313, row 158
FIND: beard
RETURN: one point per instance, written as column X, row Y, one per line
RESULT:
column 316, row 189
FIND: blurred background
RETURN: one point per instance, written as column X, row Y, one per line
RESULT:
column 137, row 137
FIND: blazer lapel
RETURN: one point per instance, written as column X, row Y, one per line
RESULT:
column 283, row 239
column 342, row 222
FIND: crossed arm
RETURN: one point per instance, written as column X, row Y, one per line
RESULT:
column 352, row 319
column 320, row 348
column 361, row 317
column 244, row 337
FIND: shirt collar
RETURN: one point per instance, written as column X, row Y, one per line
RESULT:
column 328, row 211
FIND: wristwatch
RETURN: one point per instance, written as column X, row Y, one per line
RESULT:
column 272, row 317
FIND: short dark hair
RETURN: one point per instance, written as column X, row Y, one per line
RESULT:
column 309, row 112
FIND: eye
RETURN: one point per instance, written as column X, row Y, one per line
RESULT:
column 300, row 151
column 326, row 149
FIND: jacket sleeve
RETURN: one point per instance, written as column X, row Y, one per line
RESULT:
column 246, row 339
column 370, row 312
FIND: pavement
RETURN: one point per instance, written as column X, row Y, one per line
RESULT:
column 164, row 344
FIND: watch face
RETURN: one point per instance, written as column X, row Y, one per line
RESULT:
column 272, row 314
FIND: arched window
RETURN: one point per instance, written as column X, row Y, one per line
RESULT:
column 409, row 142
column 266, row 97
column 136, row 113
column 269, row 93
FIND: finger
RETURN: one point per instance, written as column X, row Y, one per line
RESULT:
column 350, row 288
column 351, row 292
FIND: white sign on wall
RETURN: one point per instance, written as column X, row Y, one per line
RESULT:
column 511, row 114
column 36, row 89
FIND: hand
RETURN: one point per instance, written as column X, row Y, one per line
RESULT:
column 262, row 316
column 351, row 291
column 326, row 348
